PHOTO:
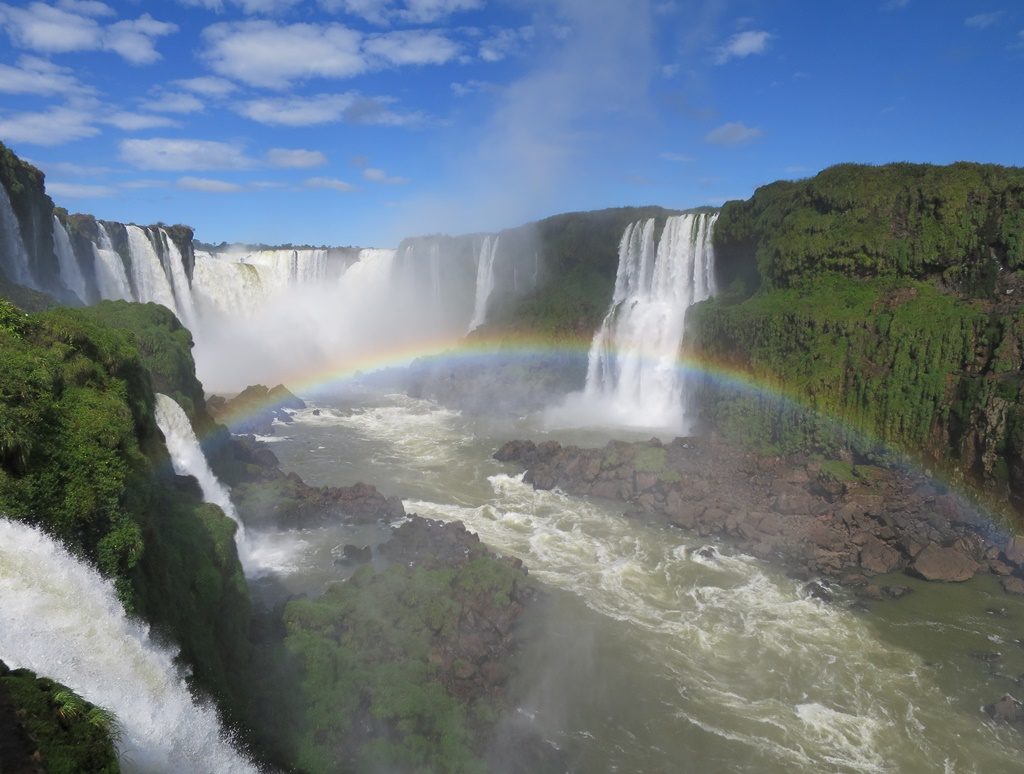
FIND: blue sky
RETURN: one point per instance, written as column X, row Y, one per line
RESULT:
column 360, row 121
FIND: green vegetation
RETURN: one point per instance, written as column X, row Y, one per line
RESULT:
column 885, row 310
column 649, row 459
column 82, row 458
column 378, row 658
column 963, row 221
column 68, row 734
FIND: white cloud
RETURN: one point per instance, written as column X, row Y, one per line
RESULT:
column 411, row 11
column 329, row 183
column 411, row 47
column 207, row 85
column 78, row 190
column 49, row 29
column 295, row 158
column 70, row 168
column 133, row 122
column 208, row 185
column 505, row 42
column 87, row 7
column 325, row 109
column 133, row 39
column 173, row 102
column 166, row 154
column 983, row 20
column 732, row 133
column 677, row 157
column 33, row 75
column 380, row 176
column 267, row 7
column 465, row 88
column 297, row 111
column 133, row 184
column 262, row 53
column 54, row 126
column 743, row 44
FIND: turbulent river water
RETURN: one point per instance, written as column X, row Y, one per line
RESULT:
column 649, row 656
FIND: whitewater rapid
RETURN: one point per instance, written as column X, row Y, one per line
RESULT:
column 674, row 655
column 62, row 620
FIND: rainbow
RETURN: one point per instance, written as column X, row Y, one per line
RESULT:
column 480, row 349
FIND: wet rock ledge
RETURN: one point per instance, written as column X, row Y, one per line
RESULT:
column 831, row 518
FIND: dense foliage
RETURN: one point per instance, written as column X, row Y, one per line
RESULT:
column 964, row 221
column 44, row 723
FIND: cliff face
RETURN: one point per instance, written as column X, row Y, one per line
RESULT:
column 33, row 210
column 887, row 298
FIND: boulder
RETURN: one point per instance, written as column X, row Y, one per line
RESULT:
column 879, row 557
column 1013, row 585
column 1006, row 710
column 948, row 564
column 1014, row 551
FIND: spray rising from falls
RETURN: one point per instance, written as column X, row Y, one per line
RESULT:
column 189, row 460
column 632, row 373
column 61, row 619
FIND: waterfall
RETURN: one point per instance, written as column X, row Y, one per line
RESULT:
column 14, row 259
column 111, row 278
column 174, row 265
column 70, row 271
column 633, row 377
column 61, row 619
column 484, row 281
column 189, row 460
column 149, row 280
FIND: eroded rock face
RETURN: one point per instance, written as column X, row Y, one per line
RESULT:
column 830, row 519
column 254, row 409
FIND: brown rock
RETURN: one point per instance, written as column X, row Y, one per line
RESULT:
column 1014, row 551
column 936, row 563
column 1013, row 585
column 879, row 557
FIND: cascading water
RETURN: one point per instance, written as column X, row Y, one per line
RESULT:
column 189, row 460
column 111, row 278
column 61, row 619
column 484, row 281
column 14, row 257
column 632, row 374
column 70, row 271
column 148, row 277
column 174, row 265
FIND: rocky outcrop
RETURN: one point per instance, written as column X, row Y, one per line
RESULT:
column 254, row 409
column 828, row 518
column 267, row 496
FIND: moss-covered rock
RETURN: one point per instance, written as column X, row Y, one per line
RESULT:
column 45, row 727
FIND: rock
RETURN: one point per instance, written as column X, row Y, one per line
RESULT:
column 355, row 555
column 818, row 590
column 1014, row 551
column 936, row 563
column 988, row 656
column 896, row 592
column 1006, row 710
column 997, row 612
column 878, row 557
column 1013, row 585
column 706, row 552
column 316, row 412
